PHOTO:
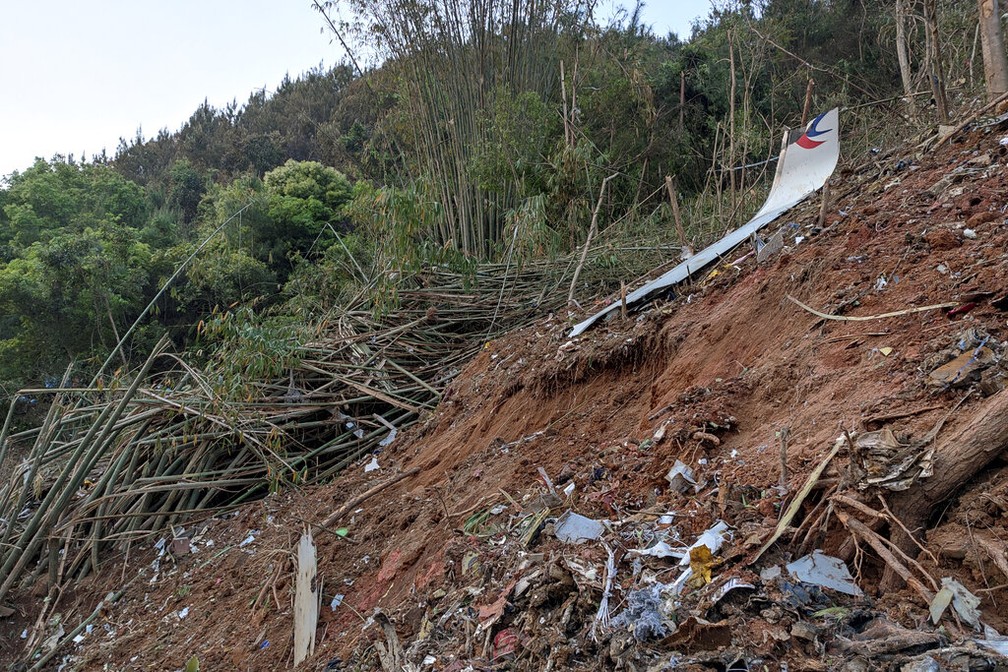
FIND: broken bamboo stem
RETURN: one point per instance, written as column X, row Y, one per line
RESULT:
column 868, row 318
column 359, row 499
column 784, row 432
column 146, row 456
column 808, row 102
column 824, row 205
column 591, row 234
column 796, row 503
column 673, row 195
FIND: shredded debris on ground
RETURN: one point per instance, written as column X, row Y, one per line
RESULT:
column 794, row 464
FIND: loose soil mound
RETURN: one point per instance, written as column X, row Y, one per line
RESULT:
column 731, row 377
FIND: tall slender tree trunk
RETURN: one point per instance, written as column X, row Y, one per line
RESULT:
column 903, row 56
column 731, row 120
column 563, row 94
column 992, row 45
column 936, row 72
column 682, row 100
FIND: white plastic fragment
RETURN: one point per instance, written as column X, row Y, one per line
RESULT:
column 824, row 571
column 248, row 539
column 962, row 600
column 969, row 233
column 357, row 431
column 183, row 613
column 372, row 465
column 712, row 539
column 730, row 585
column 525, row 582
column 569, row 489
column 548, row 481
column 573, row 528
column 659, row 550
column 680, row 477
column 770, row 573
column 337, row 600
column 993, row 641
column 351, row 426
column 998, row 646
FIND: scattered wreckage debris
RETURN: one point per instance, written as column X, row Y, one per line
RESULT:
column 738, row 484
column 307, row 599
column 803, row 167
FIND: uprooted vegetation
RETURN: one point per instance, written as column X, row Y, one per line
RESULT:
column 141, row 453
column 729, row 414
column 793, row 461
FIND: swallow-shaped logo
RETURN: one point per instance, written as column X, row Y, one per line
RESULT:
column 808, row 141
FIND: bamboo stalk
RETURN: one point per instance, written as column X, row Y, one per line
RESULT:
column 591, row 233
column 24, row 550
column 148, row 457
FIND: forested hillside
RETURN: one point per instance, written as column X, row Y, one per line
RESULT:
column 297, row 384
column 480, row 134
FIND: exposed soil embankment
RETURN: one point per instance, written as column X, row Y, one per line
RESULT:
column 730, row 377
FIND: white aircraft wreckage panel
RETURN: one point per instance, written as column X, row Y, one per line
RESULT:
column 804, row 167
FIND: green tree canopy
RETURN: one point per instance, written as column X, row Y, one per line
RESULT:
column 65, row 298
column 51, row 198
column 305, row 203
column 73, row 267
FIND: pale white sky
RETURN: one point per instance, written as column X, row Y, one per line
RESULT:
column 76, row 76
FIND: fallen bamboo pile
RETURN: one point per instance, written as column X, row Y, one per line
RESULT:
column 113, row 464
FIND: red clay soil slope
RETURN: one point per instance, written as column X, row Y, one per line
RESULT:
column 458, row 567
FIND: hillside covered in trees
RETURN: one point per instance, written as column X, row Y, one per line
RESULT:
column 481, row 134
column 345, row 309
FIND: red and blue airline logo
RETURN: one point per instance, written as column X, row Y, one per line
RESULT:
column 808, row 140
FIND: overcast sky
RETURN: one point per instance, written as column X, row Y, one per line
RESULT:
column 77, row 76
